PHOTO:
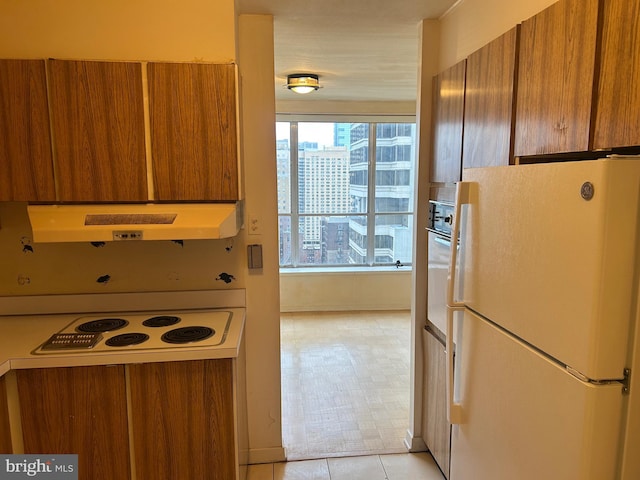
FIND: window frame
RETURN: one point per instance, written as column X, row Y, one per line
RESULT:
column 371, row 214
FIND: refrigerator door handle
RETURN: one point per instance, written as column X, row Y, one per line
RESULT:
column 454, row 410
column 462, row 197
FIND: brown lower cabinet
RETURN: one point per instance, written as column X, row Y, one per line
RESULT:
column 436, row 429
column 5, row 431
column 77, row 410
column 180, row 422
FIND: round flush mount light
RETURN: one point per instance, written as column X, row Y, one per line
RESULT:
column 303, row 82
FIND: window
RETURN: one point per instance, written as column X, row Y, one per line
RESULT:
column 345, row 193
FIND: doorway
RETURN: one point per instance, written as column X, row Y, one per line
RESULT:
column 345, row 383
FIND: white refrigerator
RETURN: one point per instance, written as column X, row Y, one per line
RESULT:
column 545, row 381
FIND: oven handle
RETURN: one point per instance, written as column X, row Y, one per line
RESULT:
column 446, row 241
column 454, row 410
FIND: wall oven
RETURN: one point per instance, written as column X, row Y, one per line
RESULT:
column 439, row 252
column 436, row 429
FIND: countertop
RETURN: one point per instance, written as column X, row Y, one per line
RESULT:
column 20, row 335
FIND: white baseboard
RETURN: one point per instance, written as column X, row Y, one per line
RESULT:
column 414, row 444
column 343, row 307
column 266, row 455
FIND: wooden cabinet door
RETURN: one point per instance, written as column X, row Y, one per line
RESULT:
column 183, row 420
column 436, row 427
column 79, row 410
column 26, row 168
column 192, row 110
column 98, row 130
column 5, row 430
column 489, row 103
column 617, row 122
column 448, row 117
column 555, row 79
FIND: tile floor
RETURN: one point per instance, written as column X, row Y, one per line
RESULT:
column 345, row 384
column 405, row 466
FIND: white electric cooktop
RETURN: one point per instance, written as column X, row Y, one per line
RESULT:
column 114, row 332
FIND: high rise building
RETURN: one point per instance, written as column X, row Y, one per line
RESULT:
column 394, row 145
column 323, row 188
column 283, row 168
column 342, row 134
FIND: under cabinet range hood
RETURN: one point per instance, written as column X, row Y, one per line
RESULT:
column 113, row 222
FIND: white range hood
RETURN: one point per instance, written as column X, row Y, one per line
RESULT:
column 113, row 222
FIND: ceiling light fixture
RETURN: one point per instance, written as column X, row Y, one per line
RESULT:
column 303, row 82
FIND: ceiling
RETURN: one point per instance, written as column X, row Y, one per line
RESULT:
column 363, row 50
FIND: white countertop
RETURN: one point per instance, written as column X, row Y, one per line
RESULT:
column 20, row 335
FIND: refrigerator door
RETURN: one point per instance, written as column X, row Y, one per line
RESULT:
column 549, row 254
column 524, row 417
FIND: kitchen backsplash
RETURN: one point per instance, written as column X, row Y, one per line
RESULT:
column 28, row 268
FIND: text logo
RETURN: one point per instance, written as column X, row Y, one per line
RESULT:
column 44, row 467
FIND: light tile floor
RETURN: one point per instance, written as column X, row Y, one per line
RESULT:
column 405, row 466
column 345, row 383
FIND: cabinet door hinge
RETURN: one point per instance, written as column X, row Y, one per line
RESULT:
column 626, row 381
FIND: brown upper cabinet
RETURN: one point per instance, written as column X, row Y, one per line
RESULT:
column 98, row 130
column 74, row 131
column 617, row 121
column 448, row 118
column 26, row 167
column 489, row 103
column 192, row 109
column 555, row 80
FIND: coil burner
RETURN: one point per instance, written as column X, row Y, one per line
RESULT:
column 161, row 321
column 126, row 339
column 102, row 325
column 187, row 334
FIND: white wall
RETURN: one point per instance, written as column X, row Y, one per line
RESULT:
column 471, row 24
column 72, row 268
column 188, row 30
column 345, row 108
column 263, row 333
column 336, row 291
column 428, row 55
